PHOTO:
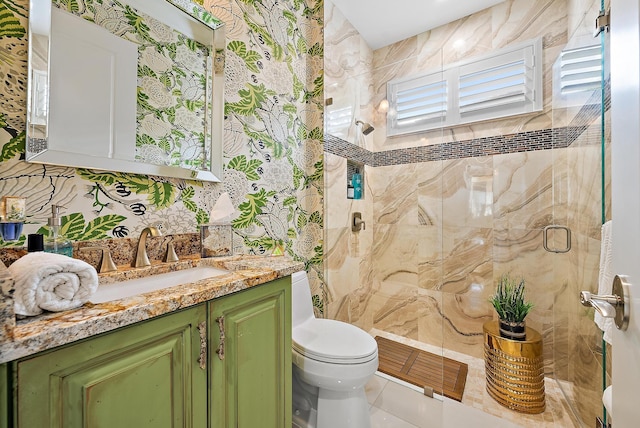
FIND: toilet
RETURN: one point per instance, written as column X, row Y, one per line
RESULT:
column 332, row 362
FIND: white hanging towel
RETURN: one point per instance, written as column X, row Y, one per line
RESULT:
column 605, row 279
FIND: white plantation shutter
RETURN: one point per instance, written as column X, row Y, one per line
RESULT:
column 580, row 69
column 502, row 85
column 339, row 119
column 507, row 82
column 419, row 103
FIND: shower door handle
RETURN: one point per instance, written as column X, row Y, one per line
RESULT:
column 545, row 239
column 614, row 305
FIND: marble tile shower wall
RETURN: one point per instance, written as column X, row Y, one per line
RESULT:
column 509, row 22
column 444, row 230
column 445, row 220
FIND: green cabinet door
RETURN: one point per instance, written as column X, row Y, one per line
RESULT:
column 145, row 375
column 250, row 357
column 5, row 393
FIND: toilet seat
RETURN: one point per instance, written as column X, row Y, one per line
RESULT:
column 334, row 342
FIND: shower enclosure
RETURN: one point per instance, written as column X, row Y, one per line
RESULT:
column 581, row 115
column 449, row 210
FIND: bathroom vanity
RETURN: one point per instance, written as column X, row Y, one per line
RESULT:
column 212, row 353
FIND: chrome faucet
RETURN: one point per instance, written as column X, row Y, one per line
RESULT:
column 142, row 259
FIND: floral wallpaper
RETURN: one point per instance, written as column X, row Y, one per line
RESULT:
column 273, row 150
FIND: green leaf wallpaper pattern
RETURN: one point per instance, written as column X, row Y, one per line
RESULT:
column 9, row 19
column 75, row 228
column 249, row 167
column 273, row 141
column 250, row 57
column 271, row 108
column 14, row 147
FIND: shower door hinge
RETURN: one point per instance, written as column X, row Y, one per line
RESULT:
column 603, row 23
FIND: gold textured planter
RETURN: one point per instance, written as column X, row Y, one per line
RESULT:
column 514, row 369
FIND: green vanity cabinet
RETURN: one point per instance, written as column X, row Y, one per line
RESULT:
column 250, row 357
column 170, row 371
column 145, row 375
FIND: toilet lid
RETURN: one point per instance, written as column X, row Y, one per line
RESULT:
column 333, row 342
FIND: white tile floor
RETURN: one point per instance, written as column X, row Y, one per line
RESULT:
column 395, row 404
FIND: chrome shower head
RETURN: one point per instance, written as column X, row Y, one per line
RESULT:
column 366, row 128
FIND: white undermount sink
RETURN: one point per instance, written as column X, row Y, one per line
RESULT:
column 134, row 287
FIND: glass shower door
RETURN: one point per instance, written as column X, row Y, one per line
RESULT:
column 580, row 116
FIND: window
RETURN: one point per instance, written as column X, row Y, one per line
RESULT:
column 507, row 82
column 419, row 103
column 338, row 120
column 580, row 69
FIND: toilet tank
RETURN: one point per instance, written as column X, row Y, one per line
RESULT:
column 301, row 301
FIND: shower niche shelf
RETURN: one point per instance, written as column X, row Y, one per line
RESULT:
column 354, row 169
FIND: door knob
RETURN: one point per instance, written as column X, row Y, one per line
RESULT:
column 615, row 305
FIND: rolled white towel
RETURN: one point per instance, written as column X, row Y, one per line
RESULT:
column 52, row 282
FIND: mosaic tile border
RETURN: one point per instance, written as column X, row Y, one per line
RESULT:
column 344, row 149
column 544, row 139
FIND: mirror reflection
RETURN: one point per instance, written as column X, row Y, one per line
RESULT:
column 131, row 86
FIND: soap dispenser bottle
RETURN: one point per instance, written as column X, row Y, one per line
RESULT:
column 356, row 179
column 55, row 242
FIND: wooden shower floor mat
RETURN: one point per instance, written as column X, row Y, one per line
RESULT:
column 421, row 368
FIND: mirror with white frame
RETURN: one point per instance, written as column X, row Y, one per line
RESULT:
column 131, row 86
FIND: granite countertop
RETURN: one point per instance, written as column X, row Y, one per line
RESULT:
column 35, row 334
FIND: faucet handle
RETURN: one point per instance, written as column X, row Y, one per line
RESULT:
column 170, row 255
column 106, row 262
column 357, row 223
